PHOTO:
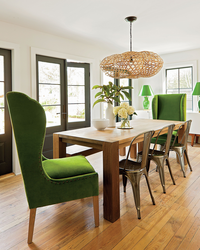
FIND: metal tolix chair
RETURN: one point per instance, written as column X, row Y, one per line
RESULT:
column 181, row 146
column 160, row 156
column 134, row 170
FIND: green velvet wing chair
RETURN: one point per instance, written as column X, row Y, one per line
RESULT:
column 47, row 181
column 168, row 107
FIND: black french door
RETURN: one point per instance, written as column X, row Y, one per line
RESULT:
column 5, row 125
column 63, row 89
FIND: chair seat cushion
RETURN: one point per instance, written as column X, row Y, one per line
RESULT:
column 67, row 167
column 162, row 138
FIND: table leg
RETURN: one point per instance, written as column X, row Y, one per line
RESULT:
column 111, row 181
column 122, row 151
column 192, row 139
column 133, row 151
column 59, row 148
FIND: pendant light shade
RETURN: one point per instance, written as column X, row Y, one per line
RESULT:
column 132, row 64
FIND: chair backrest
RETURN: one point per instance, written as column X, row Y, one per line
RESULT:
column 146, row 144
column 169, row 107
column 184, row 137
column 29, row 125
column 169, row 130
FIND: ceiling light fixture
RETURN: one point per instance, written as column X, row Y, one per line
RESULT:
column 132, row 64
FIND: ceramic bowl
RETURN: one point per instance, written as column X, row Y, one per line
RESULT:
column 100, row 124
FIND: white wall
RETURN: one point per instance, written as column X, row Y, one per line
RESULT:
column 25, row 43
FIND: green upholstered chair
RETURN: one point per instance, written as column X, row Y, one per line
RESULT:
column 168, row 107
column 47, row 181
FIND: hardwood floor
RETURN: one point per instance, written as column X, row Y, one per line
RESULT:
column 173, row 223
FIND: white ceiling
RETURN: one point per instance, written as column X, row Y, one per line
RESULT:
column 163, row 26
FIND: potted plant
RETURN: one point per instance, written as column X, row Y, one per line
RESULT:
column 109, row 93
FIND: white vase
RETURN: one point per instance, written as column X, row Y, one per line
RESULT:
column 110, row 116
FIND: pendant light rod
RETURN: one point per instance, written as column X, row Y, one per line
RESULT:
column 131, row 19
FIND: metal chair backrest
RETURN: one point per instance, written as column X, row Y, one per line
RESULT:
column 146, row 144
column 166, row 146
column 184, row 138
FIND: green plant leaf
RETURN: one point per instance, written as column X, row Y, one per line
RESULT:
column 121, row 96
column 97, row 101
column 98, row 94
column 97, row 86
column 127, row 87
column 127, row 95
column 116, row 99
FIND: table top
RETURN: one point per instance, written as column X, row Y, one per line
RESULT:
column 123, row 136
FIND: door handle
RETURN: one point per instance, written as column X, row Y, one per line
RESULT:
column 63, row 113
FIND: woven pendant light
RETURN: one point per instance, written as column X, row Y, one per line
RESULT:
column 132, row 64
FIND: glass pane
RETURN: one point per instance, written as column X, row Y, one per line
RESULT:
column 49, row 94
column 175, row 91
column 49, row 72
column 76, row 112
column 172, row 78
column 76, row 94
column 1, row 68
column 1, row 94
column 186, row 78
column 52, row 115
column 124, row 82
column 75, row 76
column 2, row 124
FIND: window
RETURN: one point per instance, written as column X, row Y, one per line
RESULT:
column 180, row 80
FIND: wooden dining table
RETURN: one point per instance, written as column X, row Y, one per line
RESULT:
column 110, row 141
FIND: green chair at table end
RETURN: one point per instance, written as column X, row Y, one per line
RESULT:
column 47, row 181
column 168, row 107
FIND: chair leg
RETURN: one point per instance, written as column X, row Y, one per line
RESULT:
column 147, row 179
column 162, row 176
column 182, row 163
column 135, row 183
column 170, row 171
column 124, row 178
column 31, row 224
column 96, row 210
column 148, row 165
column 186, row 155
